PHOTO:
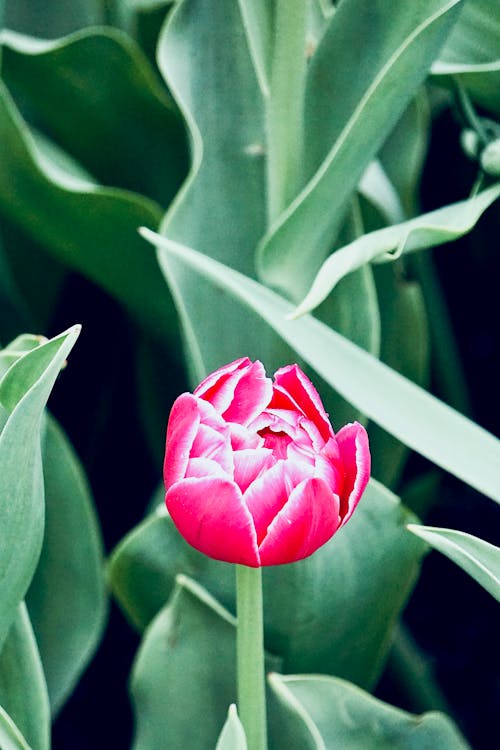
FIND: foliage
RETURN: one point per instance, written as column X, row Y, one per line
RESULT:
column 272, row 152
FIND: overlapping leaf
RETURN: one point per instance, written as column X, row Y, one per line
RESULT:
column 327, row 713
column 23, row 693
column 24, row 391
column 478, row 558
column 352, row 103
column 427, row 230
column 96, row 228
column 66, row 598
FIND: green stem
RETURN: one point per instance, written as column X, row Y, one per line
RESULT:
column 285, row 106
column 250, row 656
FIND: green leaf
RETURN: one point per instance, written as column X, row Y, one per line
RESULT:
column 66, row 599
column 428, row 230
column 24, row 391
column 125, row 131
column 471, row 53
column 478, row 558
column 353, row 100
column 215, row 87
column 301, row 600
column 454, row 442
column 337, row 714
column 10, row 736
column 185, row 668
column 23, row 692
column 233, row 735
column 258, row 24
column 51, row 19
column 96, row 228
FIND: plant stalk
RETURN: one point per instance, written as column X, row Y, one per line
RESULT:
column 250, row 656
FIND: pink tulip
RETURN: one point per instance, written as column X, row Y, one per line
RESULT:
column 253, row 470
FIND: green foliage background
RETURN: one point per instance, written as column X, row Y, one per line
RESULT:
column 274, row 152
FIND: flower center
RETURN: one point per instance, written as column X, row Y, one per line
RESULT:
column 278, row 442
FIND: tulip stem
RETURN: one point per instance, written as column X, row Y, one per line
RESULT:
column 250, row 656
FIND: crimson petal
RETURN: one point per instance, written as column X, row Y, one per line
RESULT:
column 211, row 515
column 181, row 431
column 299, row 387
column 305, row 523
column 352, row 441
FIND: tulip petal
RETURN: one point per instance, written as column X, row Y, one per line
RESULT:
column 209, row 386
column 305, row 523
column 298, row 386
column 181, row 431
column 252, row 393
column 210, row 443
column 205, row 467
column 268, row 493
column 352, row 441
column 248, row 464
column 242, row 438
column 211, row 515
column 238, row 391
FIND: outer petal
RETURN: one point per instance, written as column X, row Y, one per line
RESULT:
column 211, row 515
column 268, row 494
column 238, row 391
column 308, row 520
column 352, row 441
column 182, row 427
column 252, row 393
column 304, row 394
column 210, row 443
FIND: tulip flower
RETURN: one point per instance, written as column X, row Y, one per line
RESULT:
column 254, row 472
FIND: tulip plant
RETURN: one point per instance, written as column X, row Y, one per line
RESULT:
column 211, row 191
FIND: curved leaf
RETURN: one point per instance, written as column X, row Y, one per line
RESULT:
column 66, row 599
column 95, row 232
column 125, row 131
column 23, row 692
column 478, row 558
column 352, row 102
column 343, row 716
column 24, row 391
column 10, row 736
column 454, row 442
column 428, row 230
column 472, row 52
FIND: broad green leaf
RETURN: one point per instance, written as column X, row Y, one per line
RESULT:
column 478, row 558
column 125, row 130
column 50, row 19
column 185, row 668
column 232, row 736
column 472, row 53
column 23, row 693
column 428, row 230
column 337, row 714
column 400, row 407
column 96, row 228
column 66, row 599
column 403, row 153
column 258, row 24
column 354, row 97
column 24, row 391
column 10, row 736
column 13, row 351
column 143, row 567
column 215, row 87
column 316, row 611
